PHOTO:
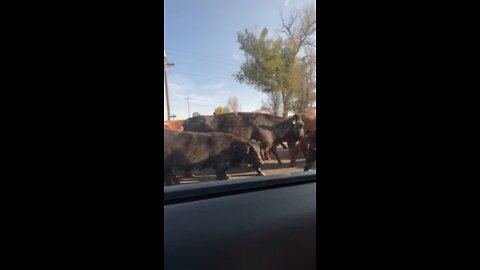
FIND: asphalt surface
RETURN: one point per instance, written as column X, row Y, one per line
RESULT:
column 270, row 167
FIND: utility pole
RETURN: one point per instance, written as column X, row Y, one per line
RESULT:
column 188, row 104
column 165, row 68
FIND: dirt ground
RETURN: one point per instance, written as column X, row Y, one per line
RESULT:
column 270, row 167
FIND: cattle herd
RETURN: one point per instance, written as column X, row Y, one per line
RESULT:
column 232, row 140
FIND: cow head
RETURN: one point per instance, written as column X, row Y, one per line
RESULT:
column 248, row 153
column 296, row 128
column 253, row 154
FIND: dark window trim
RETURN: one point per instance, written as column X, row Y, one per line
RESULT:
column 199, row 191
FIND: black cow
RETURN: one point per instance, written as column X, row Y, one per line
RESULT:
column 194, row 150
column 265, row 128
column 312, row 152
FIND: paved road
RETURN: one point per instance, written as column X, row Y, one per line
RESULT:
column 271, row 167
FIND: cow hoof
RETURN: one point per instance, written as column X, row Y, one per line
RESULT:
column 260, row 174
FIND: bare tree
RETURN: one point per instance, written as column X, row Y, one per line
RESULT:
column 265, row 108
column 300, row 28
column 304, row 78
column 234, row 105
column 273, row 103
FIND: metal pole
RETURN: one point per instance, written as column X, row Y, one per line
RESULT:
column 188, row 104
column 166, row 84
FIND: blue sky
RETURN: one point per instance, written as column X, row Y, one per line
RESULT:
column 200, row 38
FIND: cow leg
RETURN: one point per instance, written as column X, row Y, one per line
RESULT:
column 293, row 151
column 189, row 173
column 222, row 175
column 271, row 149
column 308, row 166
column 304, row 147
column 259, row 171
column 263, row 154
column 221, row 171
column 176, row 180
column 311, row 158
column 309, row 163
column 168, row 179
column 267, row 153
column 274, row 151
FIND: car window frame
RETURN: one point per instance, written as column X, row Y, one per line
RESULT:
column 203, row 190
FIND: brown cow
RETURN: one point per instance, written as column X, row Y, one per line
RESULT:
column 309, row 126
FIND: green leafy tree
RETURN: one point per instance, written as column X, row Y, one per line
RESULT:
column 264, row 67
column 220, row 110
column 278, row 66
